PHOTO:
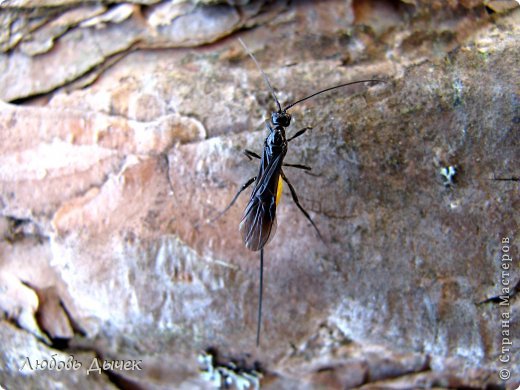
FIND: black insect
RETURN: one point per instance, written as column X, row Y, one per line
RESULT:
column 258, row 223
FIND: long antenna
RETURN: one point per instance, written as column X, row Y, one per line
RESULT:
column 329, row 89
column 260, row 292
column 263, row 74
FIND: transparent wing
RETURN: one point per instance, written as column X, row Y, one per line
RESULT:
column 258, row 224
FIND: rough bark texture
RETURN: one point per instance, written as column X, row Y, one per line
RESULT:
column 122, row 130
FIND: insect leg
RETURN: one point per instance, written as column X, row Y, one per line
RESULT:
column 298, row 133
column 260, row 293
column 295, row 199
column 299, row 166
column 244, row 186
column 250, row 154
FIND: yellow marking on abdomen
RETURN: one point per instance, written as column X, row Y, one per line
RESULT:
column 279, row 189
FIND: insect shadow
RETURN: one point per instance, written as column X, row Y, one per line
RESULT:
column 258, row 224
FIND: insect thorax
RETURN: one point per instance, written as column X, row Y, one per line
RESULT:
column 276, row 140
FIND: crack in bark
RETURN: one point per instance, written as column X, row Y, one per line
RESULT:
column 497, row 299
column 166, row 159
column 512, row 178
column 19, row 229
column 426, row 367
column 95, row 72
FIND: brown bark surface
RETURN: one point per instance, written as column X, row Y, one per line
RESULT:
column 122, row 127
